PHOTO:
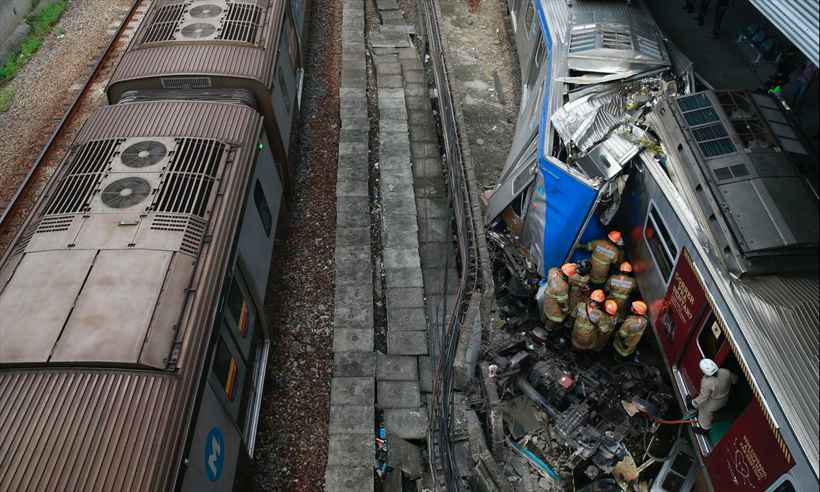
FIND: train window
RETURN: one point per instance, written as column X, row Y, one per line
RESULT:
column 711, row 339
column 661, row 246
column 529, row 19
column 262, row 207
column 242, row 318
column 226, row 370
column 786, row 486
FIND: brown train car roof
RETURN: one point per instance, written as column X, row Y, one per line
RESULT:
column 237, row 39
column 108, row 419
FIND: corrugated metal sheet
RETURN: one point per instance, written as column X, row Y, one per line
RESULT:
column 781, row 326
column 216, row 59
column 84, row 430
column 204, row 58
column 797, row 20
column 222, row 121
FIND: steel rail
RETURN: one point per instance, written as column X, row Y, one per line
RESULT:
column 16, row 201
column 446, row 343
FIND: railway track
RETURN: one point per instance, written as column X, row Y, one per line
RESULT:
column 446, row 334
column 14, row 212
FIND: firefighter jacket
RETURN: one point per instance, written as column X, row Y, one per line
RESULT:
column 578, row 290
column 605, row 330
column 629, row 334
column 556, row 296
column 589, row 322
column 620, row 288
column 604, row 255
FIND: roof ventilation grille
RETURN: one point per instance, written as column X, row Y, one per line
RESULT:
column 194, row 233
column 55, row 223
column 241, row 23
column 22, row 243
column 186, row 82
column 164, row 23
column 88, row 165
column 188, row 183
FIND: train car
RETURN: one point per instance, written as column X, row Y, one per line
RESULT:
column 717, row 196
column 134, row 344
column 566, row 52
column 723, row 233
column 242, row 50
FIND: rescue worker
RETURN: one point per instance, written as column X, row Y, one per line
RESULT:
column 606, row 329
column 714, row 393
column 605, row 253
column 589, row 321
column 578, row 288
column 556, row 296
column 631, row 330
column 620, row 286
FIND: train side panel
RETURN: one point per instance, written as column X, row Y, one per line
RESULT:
column 743, row 451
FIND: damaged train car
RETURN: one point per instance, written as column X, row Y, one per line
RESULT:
column 716, row 195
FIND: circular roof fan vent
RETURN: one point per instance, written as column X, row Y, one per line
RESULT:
column 205, row 11
column 198, row 30
column 144, row 154
column 126, row 192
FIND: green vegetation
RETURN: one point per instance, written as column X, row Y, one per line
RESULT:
column 6, row 96
column 41, row 23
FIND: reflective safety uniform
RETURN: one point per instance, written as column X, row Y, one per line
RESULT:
column 629, row 334
column 589, row 321
column 714, row 394
column 578, row 290
column 604, row 255
column 556, row 296
column 605, row 330
column 620, row 288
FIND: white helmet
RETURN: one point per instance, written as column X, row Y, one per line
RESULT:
column 708, row 367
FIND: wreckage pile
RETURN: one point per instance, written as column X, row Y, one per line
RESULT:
column 557, row 419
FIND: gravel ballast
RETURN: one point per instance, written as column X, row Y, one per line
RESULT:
column 291, row 447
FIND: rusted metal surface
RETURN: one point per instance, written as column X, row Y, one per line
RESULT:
column 18, row 207
column 117, row 428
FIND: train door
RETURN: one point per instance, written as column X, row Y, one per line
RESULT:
column 228, row 414
column 286, row 80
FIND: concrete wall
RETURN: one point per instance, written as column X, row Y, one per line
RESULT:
column 12, row 23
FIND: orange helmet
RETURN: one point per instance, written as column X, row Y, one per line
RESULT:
column 611, row 307
column 598, row 296
column 616, row 237
column 639, row 308
column 569, row 269
column 626, row 267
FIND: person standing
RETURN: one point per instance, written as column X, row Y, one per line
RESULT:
column 606, row 328
column 631, row 330
column 578, row 289
column 605, row 254
column 556, row 297
column 588, row 320
column 621, row 286
column 720, row 11
column 715, row 387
